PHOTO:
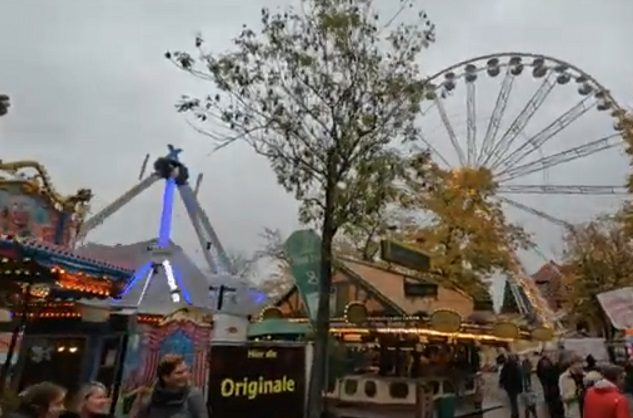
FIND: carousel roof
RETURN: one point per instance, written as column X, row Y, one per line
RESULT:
column 70, row 275
column 51, row 255
column 55, row 255
column 157, row 300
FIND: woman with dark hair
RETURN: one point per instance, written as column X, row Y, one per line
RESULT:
column 173, row 396
column 92, row 401
column 42, row 400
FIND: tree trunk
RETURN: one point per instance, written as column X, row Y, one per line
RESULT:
column 319, row 359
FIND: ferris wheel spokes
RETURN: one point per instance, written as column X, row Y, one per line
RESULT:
column 433, row 150
column 471, row 124
column 451, row 132
column 522, row 119
column 568, row 155
column 544, row 135
column 497, row 115
column 533, row 211
column 562, row 189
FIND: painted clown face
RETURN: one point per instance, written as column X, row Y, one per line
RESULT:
column 19, row 211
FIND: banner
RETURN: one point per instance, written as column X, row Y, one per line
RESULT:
column 304, row 253
column 257, row 381
column 618, row 306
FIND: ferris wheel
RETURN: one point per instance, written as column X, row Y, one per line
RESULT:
column 548, row 134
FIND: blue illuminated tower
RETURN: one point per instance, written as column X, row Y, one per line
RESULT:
column 222, row 289
column 175, row 174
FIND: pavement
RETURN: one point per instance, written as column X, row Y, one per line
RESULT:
column 496, row 395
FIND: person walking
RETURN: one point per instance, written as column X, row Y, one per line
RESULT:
column 605, row 399
column 526, row 367
column 42, row 400
column 478, row 396
column 91, row 401
column 570, row 387
column 511, row 380
column 547, row 373
column 173, row 396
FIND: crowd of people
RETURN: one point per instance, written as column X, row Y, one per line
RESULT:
column 172, row 396
column 572, row 387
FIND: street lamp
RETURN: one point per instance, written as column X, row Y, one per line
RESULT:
column 4, row 104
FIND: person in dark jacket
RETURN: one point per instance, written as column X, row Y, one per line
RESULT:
column 548, row 374
column 173, row 396
column 526, row 367
column 590, row 362
column 511, row 380
column 42, row 400
column 91, row 401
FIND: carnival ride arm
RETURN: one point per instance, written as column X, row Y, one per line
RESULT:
column 98, row 218
column 212, row 248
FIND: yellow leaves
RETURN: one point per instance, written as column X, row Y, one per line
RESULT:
column 472, row 181
column 599, row 257
column 467, row 235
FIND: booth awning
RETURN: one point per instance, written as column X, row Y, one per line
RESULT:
column 277, row 327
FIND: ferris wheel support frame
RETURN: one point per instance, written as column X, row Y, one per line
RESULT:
column 500, row 154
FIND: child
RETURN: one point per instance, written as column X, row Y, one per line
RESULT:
column 529, row 401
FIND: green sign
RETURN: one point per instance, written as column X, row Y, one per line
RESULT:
column 304, row 253
column 397, row 253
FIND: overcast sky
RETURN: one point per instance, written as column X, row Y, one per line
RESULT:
column 92, row 94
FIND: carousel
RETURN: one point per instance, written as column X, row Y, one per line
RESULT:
column 51, row 334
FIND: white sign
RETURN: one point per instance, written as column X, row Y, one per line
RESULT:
column 585, row 346
column 229, row 328
column 618, row 306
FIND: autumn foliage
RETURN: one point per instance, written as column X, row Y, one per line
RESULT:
column 456, row 221
column 598, row 257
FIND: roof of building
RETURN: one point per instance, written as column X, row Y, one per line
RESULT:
column 157, row 299
column 390, row 284
column 548, row 271
column 54, row 255
column 277, row 327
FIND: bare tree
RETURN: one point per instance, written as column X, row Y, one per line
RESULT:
column 326, row 93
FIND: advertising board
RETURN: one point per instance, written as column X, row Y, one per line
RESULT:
column 257, row 381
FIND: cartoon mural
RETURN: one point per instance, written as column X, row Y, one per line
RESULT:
column 179, row 335
column 31, row 208
column 26, row 216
